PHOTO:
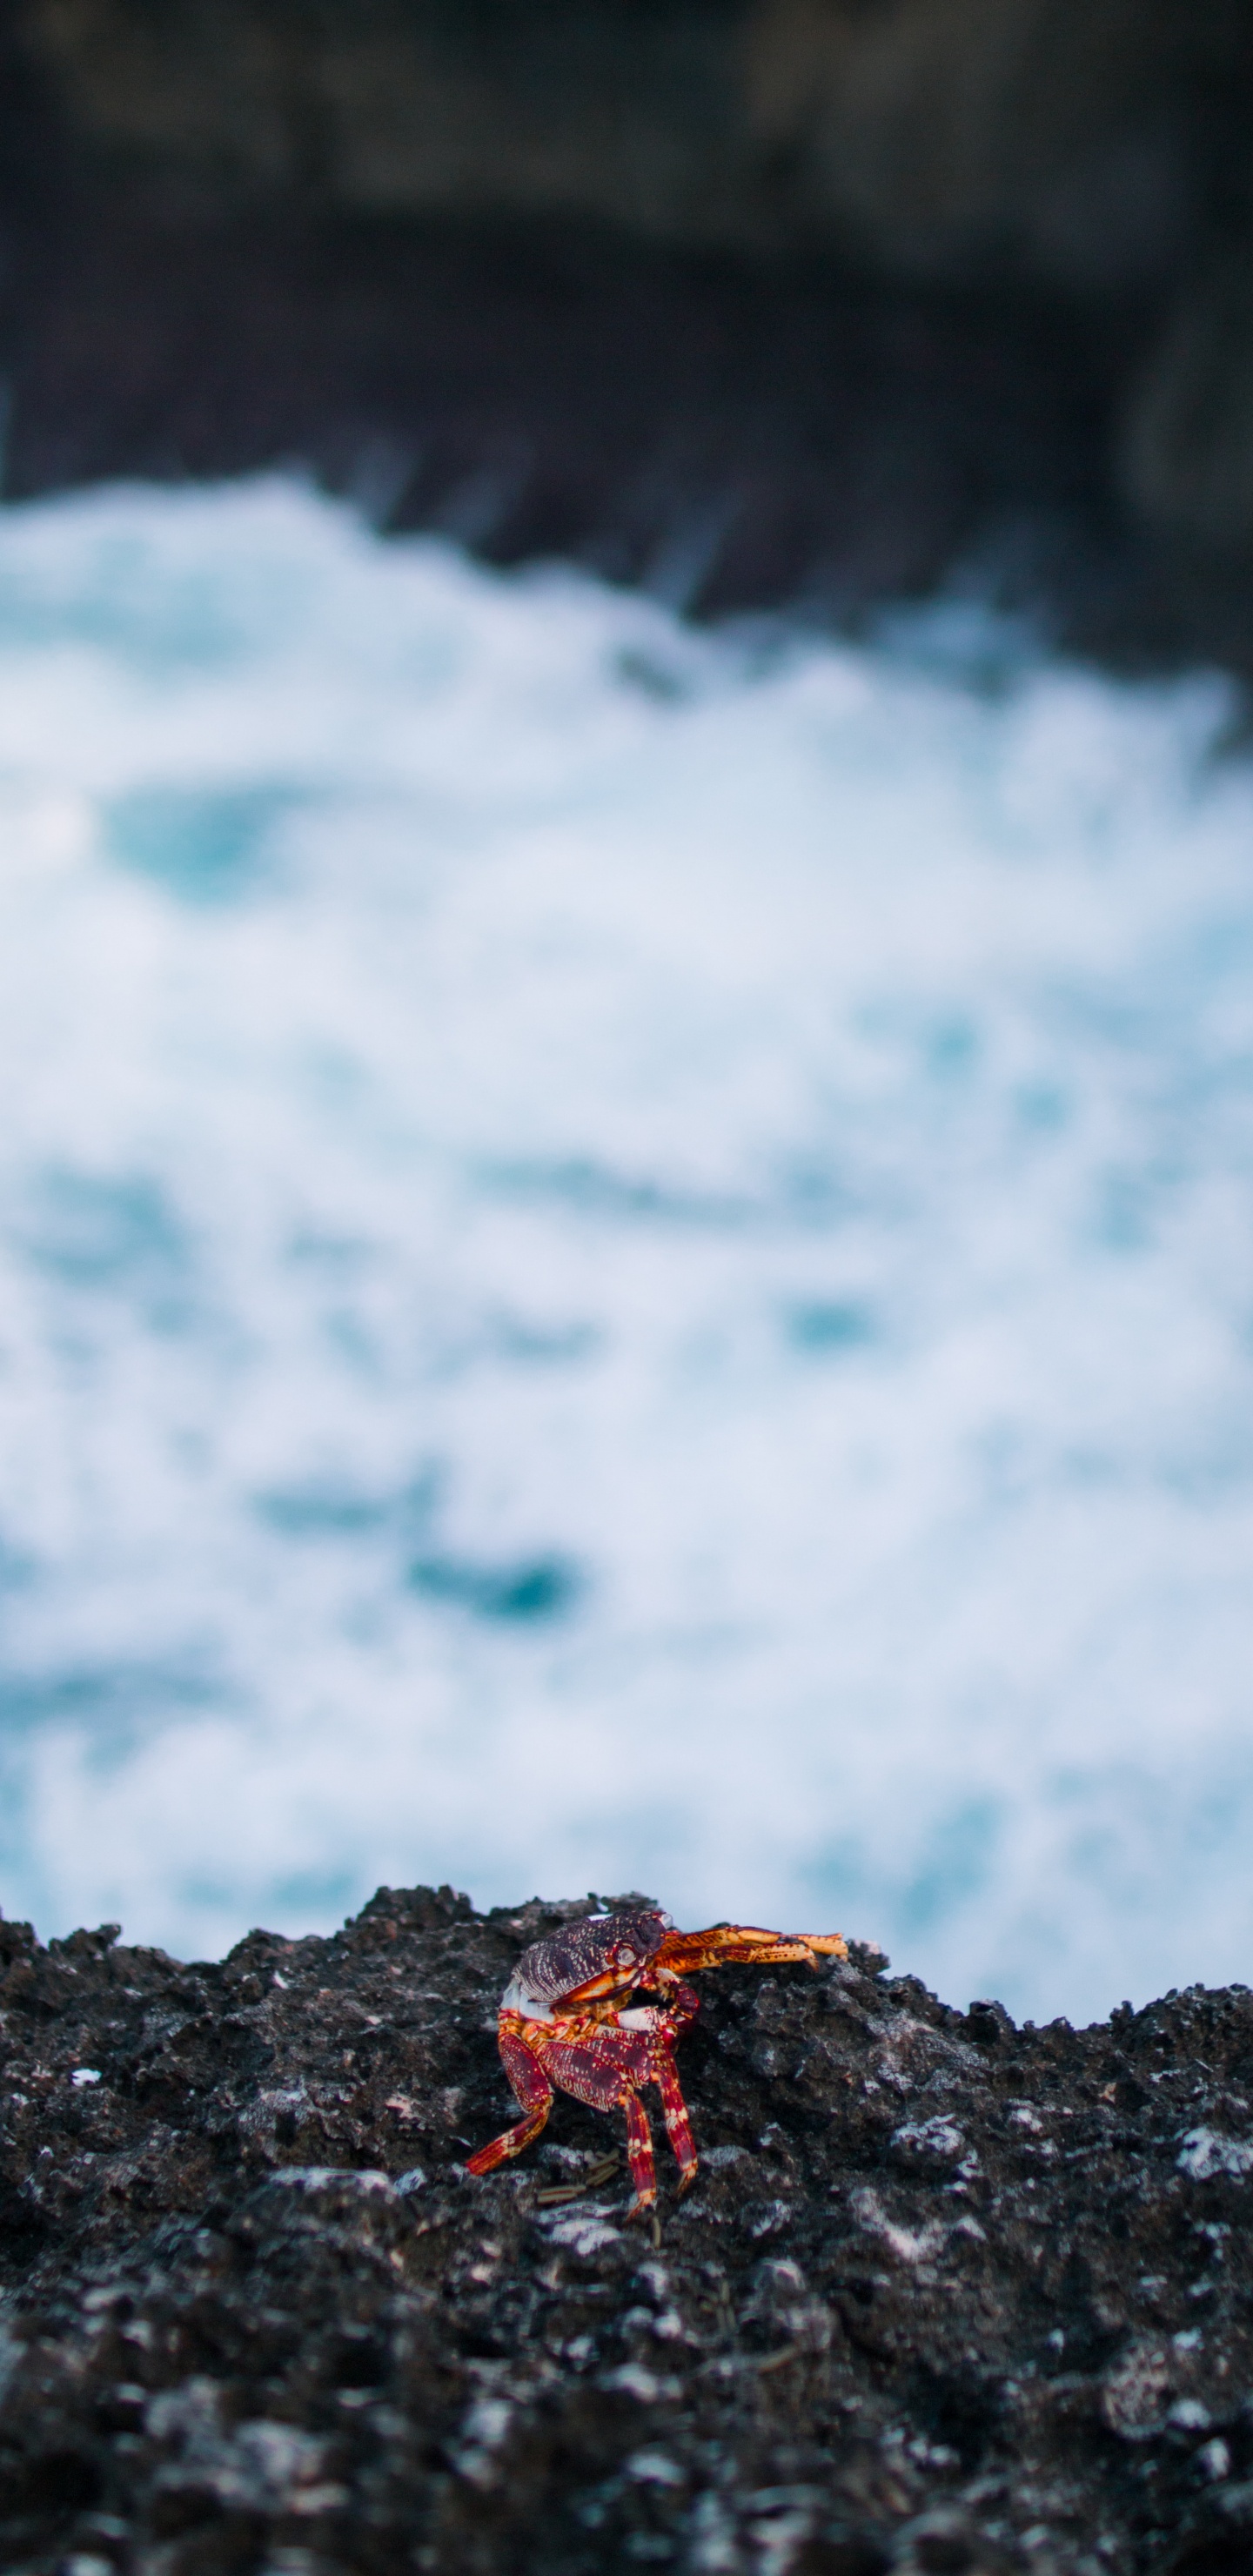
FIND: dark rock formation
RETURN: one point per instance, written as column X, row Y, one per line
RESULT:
column 753, row 300
column 1079, row 140
column 730, row 437
column 946, row 2296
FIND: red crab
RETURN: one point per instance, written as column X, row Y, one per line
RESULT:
column 562, row 2026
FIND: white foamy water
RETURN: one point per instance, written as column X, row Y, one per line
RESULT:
column 620, row 1264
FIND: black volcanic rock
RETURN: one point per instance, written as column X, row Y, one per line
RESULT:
column 947, row 2296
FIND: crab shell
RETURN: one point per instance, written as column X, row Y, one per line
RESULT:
column 613, row 1948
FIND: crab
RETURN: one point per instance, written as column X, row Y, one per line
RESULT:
column 569, row 2023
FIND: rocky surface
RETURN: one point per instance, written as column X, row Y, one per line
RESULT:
column 947, row 2296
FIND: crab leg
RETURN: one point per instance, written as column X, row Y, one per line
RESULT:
column 678, row 2125
column 639, row 2148
column 535, row 2096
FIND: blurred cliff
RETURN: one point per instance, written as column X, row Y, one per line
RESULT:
column 753, row 299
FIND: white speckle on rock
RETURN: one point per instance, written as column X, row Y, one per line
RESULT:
column 769, row 2217
column 1203, row 2153
column 654, row 2469
column 581, row 2233
column 488, row 2421
column 908, row 2246
column 484, row 2430
column 635, row 2381
column 939, row 2139
column 714, row 2551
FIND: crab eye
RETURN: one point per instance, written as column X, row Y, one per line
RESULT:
column 624, row 1956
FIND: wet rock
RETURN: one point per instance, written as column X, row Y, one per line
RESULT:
column 946, row 2296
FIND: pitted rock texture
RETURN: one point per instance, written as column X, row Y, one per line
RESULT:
column 947, row 2296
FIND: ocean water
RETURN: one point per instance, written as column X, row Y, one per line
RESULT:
column 626, row 1259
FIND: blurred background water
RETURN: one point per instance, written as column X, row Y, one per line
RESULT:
column 624, row 1258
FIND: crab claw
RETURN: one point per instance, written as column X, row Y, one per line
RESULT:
column 744, row 1945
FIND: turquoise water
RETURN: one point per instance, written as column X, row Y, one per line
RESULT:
column 625, row 1260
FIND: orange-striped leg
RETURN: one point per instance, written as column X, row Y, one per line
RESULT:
column 678, row 2126
column 639, row 2148
column 535, row 2095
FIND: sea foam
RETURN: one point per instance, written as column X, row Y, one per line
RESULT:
column 625, row 1260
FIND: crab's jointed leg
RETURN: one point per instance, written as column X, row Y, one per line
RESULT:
column 678, row 2125
column 639, row 2148
column 535, row 2096
column 659, row 2027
